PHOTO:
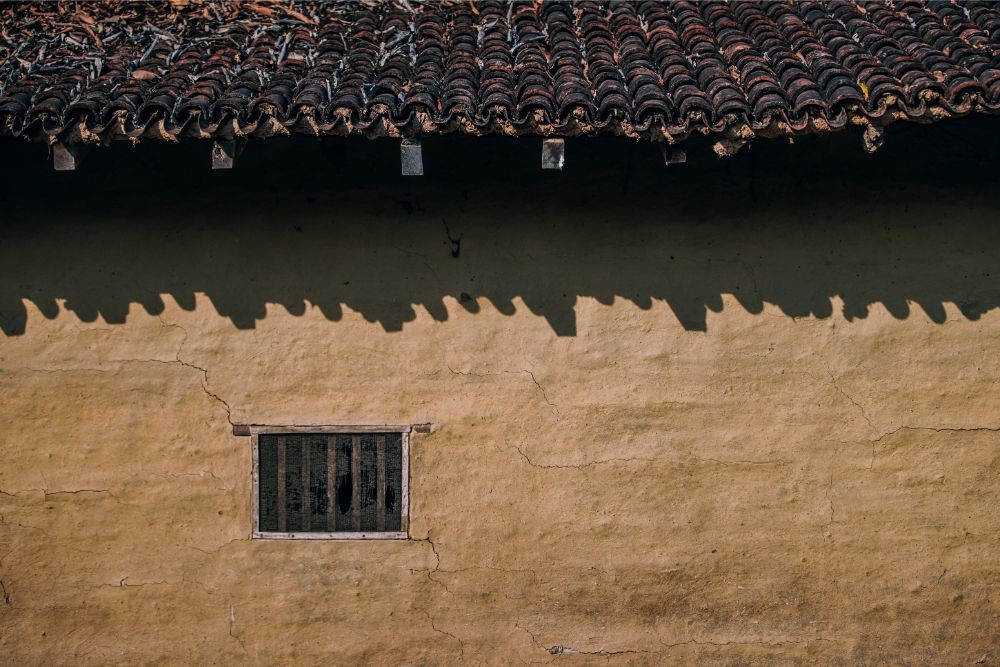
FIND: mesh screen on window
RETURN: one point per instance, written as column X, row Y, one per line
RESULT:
column 330, row 482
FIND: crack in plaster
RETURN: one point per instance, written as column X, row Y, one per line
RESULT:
column 490, row 568
column 232, row 622
column 6, row 595
column 423, row 258
column 201, row 473
column 641, row 459
column 579, row 465
column 541, row 389
column 875, row 441
column 829, row 500
column 969, row 429
column 860, row 407
column 122, row 583
column 455, row 243
column 40, row 530
column 220, row 547
column 957, row 429
column 743, row 462
column 46, row 494
column 430, row 572
column 754, row 642
column 435, row 628
column 753, row 280
column 529, row 373
column 176, row 360
column 534, row 639
column 209, row 393
column 167, row 362
column 556, row 650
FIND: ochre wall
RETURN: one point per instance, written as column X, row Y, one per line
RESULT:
column 733, row 412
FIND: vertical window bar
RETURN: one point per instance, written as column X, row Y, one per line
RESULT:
column 380, row 482
column 331, row 482
column 282, row 519
column 394, row 481
column 356, row 482
column 343, row 506
column 306, row 502
column 404, row 497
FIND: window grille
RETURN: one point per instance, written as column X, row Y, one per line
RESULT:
column 335, row 483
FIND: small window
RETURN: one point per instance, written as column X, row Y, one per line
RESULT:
column 331, row 483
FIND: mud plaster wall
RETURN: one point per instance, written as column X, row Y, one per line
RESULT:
column 737, row 412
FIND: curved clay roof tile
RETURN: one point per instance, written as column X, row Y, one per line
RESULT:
column 689, row 66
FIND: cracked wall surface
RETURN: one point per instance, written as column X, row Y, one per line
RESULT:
column 780, row 486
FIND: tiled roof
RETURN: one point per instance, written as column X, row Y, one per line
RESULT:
column 659, row 70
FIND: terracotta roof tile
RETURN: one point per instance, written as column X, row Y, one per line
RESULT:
column 660, row 70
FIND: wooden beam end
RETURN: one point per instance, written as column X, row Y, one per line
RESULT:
column 223, row 154
column 411, row 157
column 553, row 153
column 673, row 154
column 65, row 157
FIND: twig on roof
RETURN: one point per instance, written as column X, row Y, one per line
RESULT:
column 268, row 11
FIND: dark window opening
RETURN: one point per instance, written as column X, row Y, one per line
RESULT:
column 330, row 482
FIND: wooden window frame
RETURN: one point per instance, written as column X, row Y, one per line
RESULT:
column 404, row 516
